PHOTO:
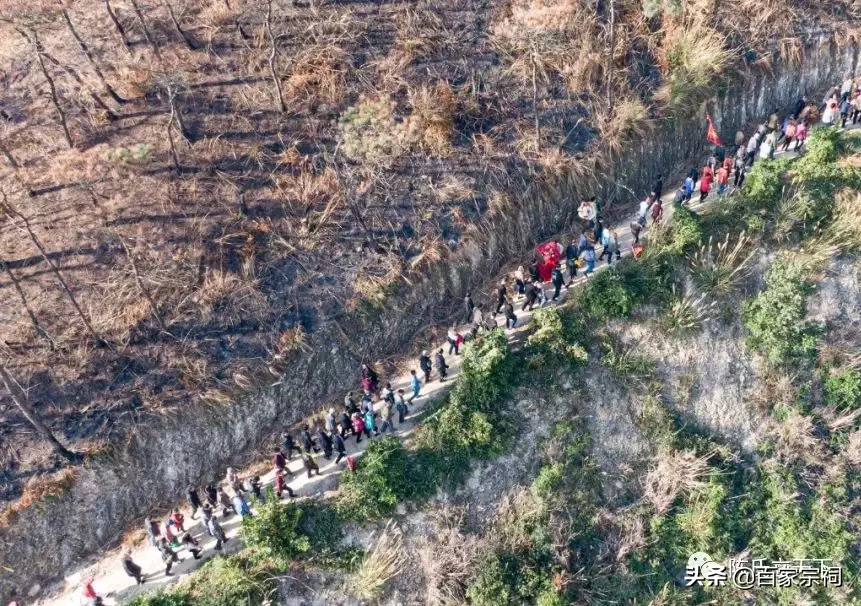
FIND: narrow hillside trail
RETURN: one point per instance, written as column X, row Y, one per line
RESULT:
column 111, row 582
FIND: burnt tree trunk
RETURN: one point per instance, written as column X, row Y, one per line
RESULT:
column 25, row 227
column 273, row 54
column 33, row 319
column 77, row 78
column 86, row 50
column 189, row 42
column 119, row 26
column 145, row 292
column 145, row 29
column 612, row 61
column 19, row 397
column 37, row 48
column 173, row 152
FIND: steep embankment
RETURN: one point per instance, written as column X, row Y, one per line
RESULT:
column 116, row 487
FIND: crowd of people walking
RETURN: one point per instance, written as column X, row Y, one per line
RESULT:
column 378, row 408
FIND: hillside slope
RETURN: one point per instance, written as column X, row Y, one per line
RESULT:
column 215, row 243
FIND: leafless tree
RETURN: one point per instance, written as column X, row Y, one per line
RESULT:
column 171, row 88
column 32, row 37
column 21, row 222
column 86, row 50
column 189, row 42
column 22, row 402
column 120, row 29
column 146, row 32
column 33, row 319
column 273, row 55
column 241, row 31
column 612, row 61
column 145, row 292
column 80, row 81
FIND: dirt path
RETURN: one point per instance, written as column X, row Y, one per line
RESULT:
column 112, row 583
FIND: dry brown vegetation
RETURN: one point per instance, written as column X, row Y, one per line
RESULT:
column 192, row 171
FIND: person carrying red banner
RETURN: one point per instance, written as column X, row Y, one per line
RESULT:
column 711, row 132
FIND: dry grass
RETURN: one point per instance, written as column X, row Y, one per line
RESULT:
column 845, row 228
column 693, row 57
column 39, row 489
column 672, row 475
column 381, row 563
column 447, row 559
column 292, row 340
column 543, row 42
column 318, row 73
column 852, row 451
column 431, row 124
column 795, row 437
column 231, row 298
column 628, row 121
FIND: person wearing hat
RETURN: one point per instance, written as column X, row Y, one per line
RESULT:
column 425, row 365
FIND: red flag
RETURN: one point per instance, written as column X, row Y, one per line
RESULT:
column 711, row 133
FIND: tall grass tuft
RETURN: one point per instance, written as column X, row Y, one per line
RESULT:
column 381, row 563
column 719, row 268
column 693, row 57
column 688, row 313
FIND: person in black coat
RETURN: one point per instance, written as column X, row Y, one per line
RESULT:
column 132, row 569
column 468, row 306
column 533, row 272
column 425, row 365
column 325, row 441
column 571, row 255
column 211, row 495
column 531, row 297
column 501, row 296
column 441, row 366
column 288, row 444
column 510, row 316
column 340, row 446
column 557, row 279
column 344, row 422
column 307, row 441
column 193, row 500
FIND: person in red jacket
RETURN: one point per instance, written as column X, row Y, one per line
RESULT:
column 358, row 426
column 706, row 182
column 178, row 520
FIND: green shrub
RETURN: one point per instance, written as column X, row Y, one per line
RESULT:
column 273, row 529
column 764, row 185
column 548, row 479
column 686, row 232
column 776, row 316
column 371, row 132
column 556, row 339
column 381, row 480
column 511, row 578
column 613, row 293
column 606, row 297
column 844, row 389
column 161, row 598
column 238, row 580
column 470, row 422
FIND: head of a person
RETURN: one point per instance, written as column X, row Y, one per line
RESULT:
column 424, row 352
column 412, row 371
